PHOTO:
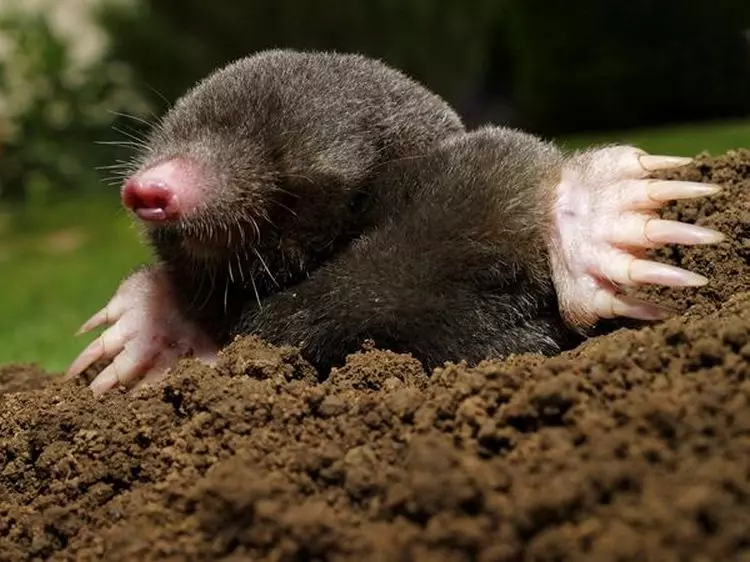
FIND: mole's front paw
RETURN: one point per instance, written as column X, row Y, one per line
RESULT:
column 147, row 334
column 605, row 219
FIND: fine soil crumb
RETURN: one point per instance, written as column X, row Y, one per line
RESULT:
column 634, row 446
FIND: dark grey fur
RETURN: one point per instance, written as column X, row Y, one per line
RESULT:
column 349, row 203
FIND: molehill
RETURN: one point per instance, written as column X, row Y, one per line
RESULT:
column 635, row 446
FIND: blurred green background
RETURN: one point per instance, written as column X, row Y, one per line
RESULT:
column 78, row 77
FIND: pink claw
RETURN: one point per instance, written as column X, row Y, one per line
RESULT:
column 644, row 271
column 641, row 229
column 660, row 232
column 123, row 371
column 146, row 337
column 608, row 305
column 95, row 351
column 658, row 192
column 99, row 319
column 606, row 210
column 654, row 163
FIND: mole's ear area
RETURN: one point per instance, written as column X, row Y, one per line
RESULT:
column 605, row 218
column 348, row 162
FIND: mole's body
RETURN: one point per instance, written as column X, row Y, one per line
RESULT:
column 320, row 200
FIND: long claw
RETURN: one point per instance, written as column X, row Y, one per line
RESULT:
column 652, row 194
column 106, row 380
column 106, row 346
column 638, row 229
column 113, row 311
column 661, row 231
column 669, row 190
column 122, row 371
column 99, row 319
column 645, row 271
column 93, row 352
column 608, row 305
column 655, row 162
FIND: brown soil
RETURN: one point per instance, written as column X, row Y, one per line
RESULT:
column 635, row 446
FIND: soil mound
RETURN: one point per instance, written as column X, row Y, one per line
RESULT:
column 634, row 446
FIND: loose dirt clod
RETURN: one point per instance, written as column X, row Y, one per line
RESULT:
column 635, row 446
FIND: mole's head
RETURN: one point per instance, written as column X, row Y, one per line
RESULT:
column 255, row 152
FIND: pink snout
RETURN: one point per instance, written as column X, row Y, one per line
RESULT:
column 164, row 192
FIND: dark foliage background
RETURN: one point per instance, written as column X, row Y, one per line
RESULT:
column 591, row 64
column 549, row 67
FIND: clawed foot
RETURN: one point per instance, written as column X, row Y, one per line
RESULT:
column 146, row 335
column 605, row 219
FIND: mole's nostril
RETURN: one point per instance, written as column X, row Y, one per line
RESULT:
column 150, row 200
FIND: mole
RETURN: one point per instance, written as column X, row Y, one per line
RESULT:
column 324, row 199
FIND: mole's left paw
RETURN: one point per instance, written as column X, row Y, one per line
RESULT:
column 147, row 335
column 605, row 219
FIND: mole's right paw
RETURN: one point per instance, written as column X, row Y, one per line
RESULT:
column 147, row 335
column 605, row 220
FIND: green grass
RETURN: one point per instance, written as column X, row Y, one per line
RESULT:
column 682, row 140
column 60, row 264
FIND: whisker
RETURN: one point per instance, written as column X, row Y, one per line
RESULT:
column 158, row 93
column 226, row 294
column 126, row 144
column 120, row 165
column 231, row 273
column 256, row 228
column 265, row 217
column 284, row 191
column 255, row 289
column 265, row 266
column 212, row 279
column 286, row 208
column 114, row 177
column 115, row 174
column 131, row 136
column 242, row 241
column 240, row 268
column 300, row 176
column 129, row 116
